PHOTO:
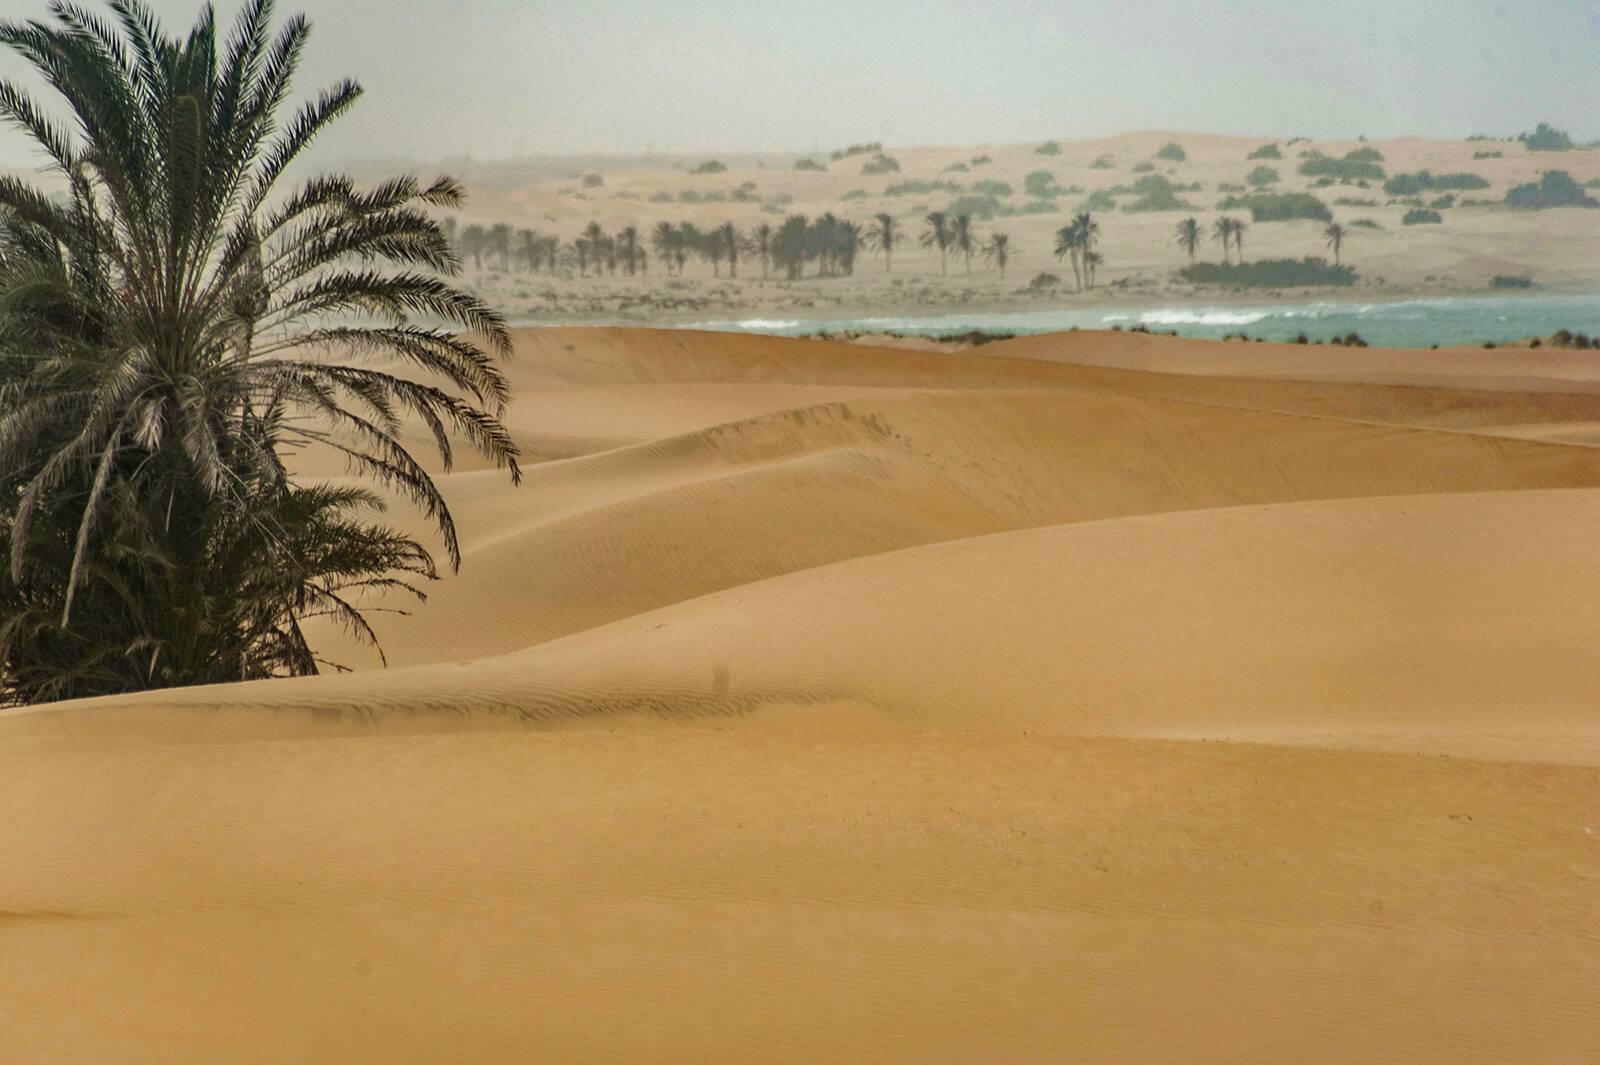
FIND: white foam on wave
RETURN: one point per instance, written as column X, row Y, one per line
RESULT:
column 1201, row 316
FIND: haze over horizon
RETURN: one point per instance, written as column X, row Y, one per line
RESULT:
column 496, row 79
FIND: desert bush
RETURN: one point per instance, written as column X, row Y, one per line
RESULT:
column 854, row 194
column 809, row 164
column 1511, row 281
column 1365, row 155
column 745, row 193
column 1099, row 200
column 1349, row 201
column 1488, row 155
column 1102, row 163
column 857, row 149
column 921, row 188
column 978, row 206
column 1156, row 193
column 710, row 166
column 1048, row 148
column 661, row 197
column 1355, row 166
column 1230, row 187
column 1143, row 168
column 1364, row 223
column 880, row 164
column 1279, row 206
column 1261, row 175
column 1043, row 281
column 1172, row 150
column 1030, row 207
column 1266, row 151
column 1041, row 185
column 1421, row 216
column 957, row 168
column 1270, row 273
column 1423, row 181
column 1555, row 188
column 980, row 160
column 593, row 181
column 1546, row 138
column 1443, row 202
column 991, row 188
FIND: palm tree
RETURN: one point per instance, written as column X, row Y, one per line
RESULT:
column 473, row 240
column 1069, row 245
column 824, row 243
column 1335, row 234
column 1222, row 232
column 882, row 237
column 848, row 240
column 732, row 240
column 998, row 251
column 761, row 245
column 628, row 245
column 689, row 239
column 664, row 239
column 500, row 244
column 528, row 248
column 1188, row 236
column 175, row 324
column 792, row 245
column 938, row 236
column 962, row 237
column 583, row 249
column 1088, row 234
column 594, row 238
column 1239, row 226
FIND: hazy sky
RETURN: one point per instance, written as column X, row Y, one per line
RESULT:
column 499, row 78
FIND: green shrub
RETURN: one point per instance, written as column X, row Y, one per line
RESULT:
column 661, row 197
column 1048, row 148
column 956, row 168
column 710, row 166
column 921, row 188
column 1510, row 281
column 593, row 181
column 980, row 160
column 1422, row 181
column 1156, row 193
column 1102, row 163
column 1041, row 185
column 746, row 193
column 1042, row 281
column 1348, row 201
column 1355, row 166
column 854, row 194
column 809, row 164
column 858, row 149
column 1099, row 200
column 1172, row 150
column 1546, row 138
column 991, row 188
column 977, row 206
column 1228, row 187
column 1364, row 223
column 1270, row 273
column 1421, row 216
column 1443, row 202
column 1143, row 168
column 1261, row 175
column 1279, row 206
column 1365, row 155
column 1030, row 207
column 1266, row 151
column 1555, row 188
column 1488, row 155
column 880, row 164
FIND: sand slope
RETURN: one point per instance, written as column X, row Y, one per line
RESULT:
column 1067, row 700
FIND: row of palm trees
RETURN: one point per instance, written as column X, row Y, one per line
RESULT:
column 1076, row 241
column 831, row 243
column 1229, row 232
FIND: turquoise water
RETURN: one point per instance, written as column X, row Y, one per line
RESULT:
column 1414, row 323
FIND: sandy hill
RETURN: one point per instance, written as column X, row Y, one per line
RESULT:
column 1097, row 697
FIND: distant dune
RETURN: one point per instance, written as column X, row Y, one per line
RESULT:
column 1090, row 697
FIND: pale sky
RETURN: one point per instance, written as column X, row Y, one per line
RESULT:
column 498, row 78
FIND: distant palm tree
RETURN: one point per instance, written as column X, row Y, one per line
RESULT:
column 1222, row 233
column 1335, row 234
column 998, row 251
column 596, row 239
column 583, row 248
column 962, row 237
column 761, row 244
column 938, row 236
column 824, row 243
column 689, row 240
column 528, row 248
column 664, row 239
column 1069, row 246
column 849, row 239
column 628, row 246
column 500, row 244
column 731, row 239
column 1089, row 233
column 882, row 237
column 1239, row 226
column 792, row 245
column 473, row 239
column 1188, row 236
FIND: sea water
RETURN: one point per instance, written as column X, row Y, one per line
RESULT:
column 1413, row 323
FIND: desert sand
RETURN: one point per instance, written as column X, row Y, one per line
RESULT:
column 1095, row 697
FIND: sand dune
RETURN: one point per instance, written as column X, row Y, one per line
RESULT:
column 1091, row 697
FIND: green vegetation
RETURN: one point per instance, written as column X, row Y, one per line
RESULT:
column 710, row 166
column 991, row 188
column 809, row 164
column 1143, row 168
column 1030, row 207
column 1102, row 163
column 1172, row 150
column 179, row 321
column 1156, row 193
column 1279, row 206
column 975, row 205
column 1349, row 201
column 1076, row 241
column 1358, row 165
column 1444, row 202
column 1488, row 155
column 1555, row 188
column 1546, row 138
column 980, row 160
column 1423, row 181
column 1511, row 281
column 921, row 188
column 880, row 164
column 1041, row 185
column 1266, row 151
column 1187, row 236
column 875, row 147
column 1270, row 273
column 1364, row 223
column 1048, row 148
column 593, row 181
column 1100, row 200
column 956, row 168
column 854, row 194
column 1421, row 216
column 1261, row 176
